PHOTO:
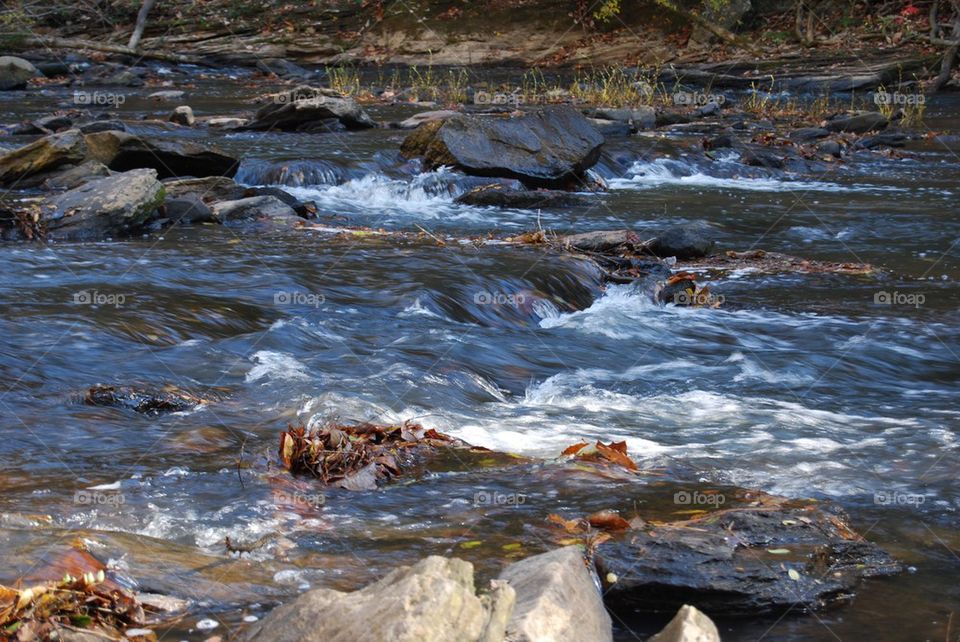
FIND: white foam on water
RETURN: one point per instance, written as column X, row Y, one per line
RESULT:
column 276, row 366
column 423, row 197
column 671, row 172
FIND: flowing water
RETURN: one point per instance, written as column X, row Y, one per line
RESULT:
column 804, row 385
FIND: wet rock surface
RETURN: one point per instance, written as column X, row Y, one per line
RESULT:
column 141, row 400
column 170, row 158
column 45, row 154
column 544, row 148
column 115, row 205
column 310, row 109
column 752, row 559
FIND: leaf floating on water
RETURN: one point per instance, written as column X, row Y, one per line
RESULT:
column 471, row 544
column 789, row 522
column 515, row 546
column 608, row 520
column 574, row 449
column 794, row 575
column 616, row 453
column 778, row 551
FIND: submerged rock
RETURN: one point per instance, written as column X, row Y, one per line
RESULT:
column 307, row 109
column 121, row 151
column 545, row 148
column 432, row 601
column 50, row 152
column 767, row 556
column 142, row 401
column 110, row 206
column 557, row 599
column 498, row 195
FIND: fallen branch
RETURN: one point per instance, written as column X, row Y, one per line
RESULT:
column 91, row 45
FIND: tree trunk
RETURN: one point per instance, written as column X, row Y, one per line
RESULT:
column 141, row 23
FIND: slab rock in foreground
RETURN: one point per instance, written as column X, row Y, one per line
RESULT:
column 432, row 601
column 557, row 599
column 546, row 148
column 546, row 598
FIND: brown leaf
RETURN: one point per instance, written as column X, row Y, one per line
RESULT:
column 616, row 453
column 608, row 520
column 574, row 449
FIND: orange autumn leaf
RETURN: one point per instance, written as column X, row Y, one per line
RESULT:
column 574, row 449
column 617, row 454
column 608, row 520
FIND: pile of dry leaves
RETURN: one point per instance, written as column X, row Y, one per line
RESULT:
column 362, row 456
column 86, row 603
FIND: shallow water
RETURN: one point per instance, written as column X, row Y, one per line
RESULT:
column 800, row 385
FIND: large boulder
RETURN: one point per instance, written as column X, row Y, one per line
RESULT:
column 544, row 148
column 557, row 599
column 306, row 109
column 121, row 151
column 111, row 206
column 431, row 601
column 15, row 72
column 42, row 155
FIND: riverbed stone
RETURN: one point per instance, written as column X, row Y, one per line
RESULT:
column 253, row 207
column 432, row 601
column 557, row 599
column 725, row 566
column 121, row 151
column 15, row 72
column 109, row 206
column 857, row 123
column 688, row 625
column 689, row 241
column 42, row 155
column 545, row 148
column 497, row 195
column 71, row 177
column 183, row 115
column 208, row 188
column 307, row 109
